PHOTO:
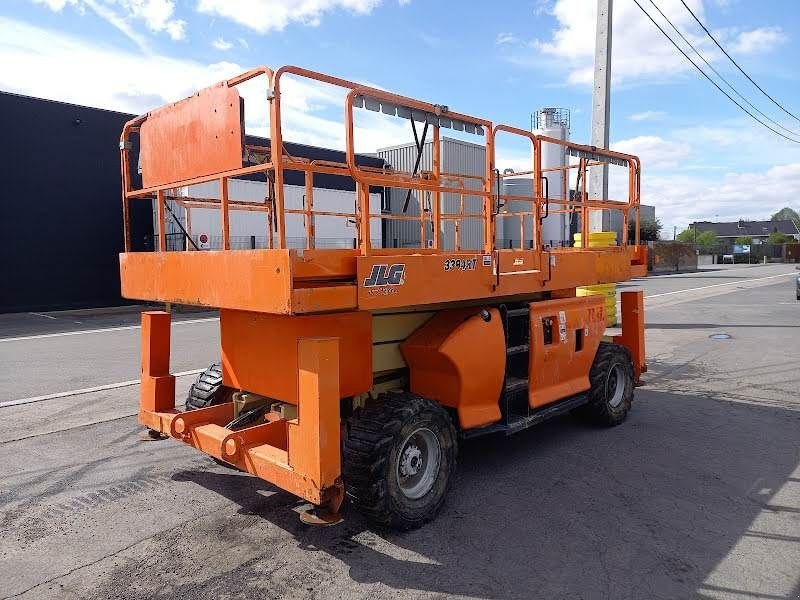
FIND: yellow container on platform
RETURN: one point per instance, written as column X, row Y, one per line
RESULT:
column 609, row 290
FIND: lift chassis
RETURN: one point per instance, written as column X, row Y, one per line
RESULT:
column 354, row 372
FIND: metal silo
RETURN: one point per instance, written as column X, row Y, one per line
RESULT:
column 554, row 123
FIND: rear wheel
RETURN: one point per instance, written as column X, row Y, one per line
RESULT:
column 399, row 457
column 208, row 390
column 611, row 391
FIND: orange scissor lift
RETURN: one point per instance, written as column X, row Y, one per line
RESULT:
column 356, row 371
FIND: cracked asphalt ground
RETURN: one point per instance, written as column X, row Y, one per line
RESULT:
column 696, row 495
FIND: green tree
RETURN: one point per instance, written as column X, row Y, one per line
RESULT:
column 687, row 235
column 649, row 230
column 705, row 240
column 744, row 240
column 786, row 214
column 776, row 237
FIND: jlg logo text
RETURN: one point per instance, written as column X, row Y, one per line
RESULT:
column 382, row 275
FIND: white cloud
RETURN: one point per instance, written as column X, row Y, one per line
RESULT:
column 647, row 115
column 157, row 16
column 506, row 38
column 116, row 20
column 404, row 2
column 274, row 15
column 222, row 44
column 55, row 5
column 654, row 151
column 761, row 40
column 714, row 172
column 716, row 136
column 639, row 50
column 57, row 66
column 681, row 199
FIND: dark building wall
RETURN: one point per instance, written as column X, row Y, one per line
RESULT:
column 60, row 209
column 60, row 203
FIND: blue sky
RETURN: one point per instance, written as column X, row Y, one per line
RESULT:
column 702, row 157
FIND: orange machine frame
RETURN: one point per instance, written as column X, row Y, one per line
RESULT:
column 305, row 309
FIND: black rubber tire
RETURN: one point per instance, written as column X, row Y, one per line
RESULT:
column 599, row 410
column 370, row 456
column 208, row 390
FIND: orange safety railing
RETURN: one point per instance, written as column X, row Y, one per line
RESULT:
column 592, row 157
column 426, row 186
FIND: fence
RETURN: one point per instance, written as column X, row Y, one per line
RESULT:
column 759, row 253
column 670, row 256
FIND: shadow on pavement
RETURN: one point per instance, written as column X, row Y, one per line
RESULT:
column 649, row 509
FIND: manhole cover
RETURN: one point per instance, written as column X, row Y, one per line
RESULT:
column 720, row 336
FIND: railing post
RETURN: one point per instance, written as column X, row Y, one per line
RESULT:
column 276, row 150
column 362, row 198
column 584, row 206
column 437, row 171
column 188, row 212
column 488, row 200
column 162, row 226
column 309, row 207
column 225, row 218
column 539, row 193
column 157, row 390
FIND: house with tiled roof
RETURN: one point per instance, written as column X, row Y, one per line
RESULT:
column 758, row 230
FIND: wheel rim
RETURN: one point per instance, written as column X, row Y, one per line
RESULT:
column 615, row 386
column 418, row 463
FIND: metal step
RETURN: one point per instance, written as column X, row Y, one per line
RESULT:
column 518, row 312
column 517, row 349
column 536, row 416
column 514, row 384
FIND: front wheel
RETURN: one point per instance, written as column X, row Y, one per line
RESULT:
column 611, row 379
column 207, row 390
column 399, row 457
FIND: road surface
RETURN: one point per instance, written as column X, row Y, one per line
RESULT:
column 696, row 495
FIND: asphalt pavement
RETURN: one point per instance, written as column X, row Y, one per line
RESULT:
column 697, row 494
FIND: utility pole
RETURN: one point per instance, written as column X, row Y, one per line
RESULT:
column 601, row 111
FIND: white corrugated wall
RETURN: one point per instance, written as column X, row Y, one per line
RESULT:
column 458, row 157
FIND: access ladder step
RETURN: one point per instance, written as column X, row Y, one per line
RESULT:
column 517, row 349
column 514, row 384
column 518, row 312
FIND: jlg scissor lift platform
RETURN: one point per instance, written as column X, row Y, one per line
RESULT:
column 354, row 372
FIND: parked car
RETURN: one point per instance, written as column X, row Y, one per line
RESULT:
column 798, row 285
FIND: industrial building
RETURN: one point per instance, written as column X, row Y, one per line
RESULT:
column 459, row 157
column 60, row 210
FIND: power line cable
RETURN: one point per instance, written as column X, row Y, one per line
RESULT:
column 775, row 102
column 717, row 73
column 704, row 74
